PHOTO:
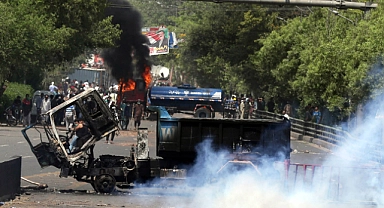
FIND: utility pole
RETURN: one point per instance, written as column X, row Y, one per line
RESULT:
column 339, row 4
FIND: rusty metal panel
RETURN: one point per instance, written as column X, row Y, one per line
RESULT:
column 10, row 174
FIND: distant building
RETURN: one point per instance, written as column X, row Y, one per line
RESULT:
column 99, row 76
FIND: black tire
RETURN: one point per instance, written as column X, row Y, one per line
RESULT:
column 104, row 183
column 202, row 113
column 12, row 122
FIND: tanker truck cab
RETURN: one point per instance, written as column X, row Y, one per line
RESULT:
column 201, row 102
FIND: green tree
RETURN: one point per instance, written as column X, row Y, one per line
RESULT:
column 41, row 34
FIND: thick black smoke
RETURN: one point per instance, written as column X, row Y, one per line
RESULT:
column 131, row 40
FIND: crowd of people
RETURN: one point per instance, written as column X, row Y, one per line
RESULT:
column 243, row 108
column 71, row 117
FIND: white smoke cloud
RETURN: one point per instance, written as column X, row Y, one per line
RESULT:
column 349, row 176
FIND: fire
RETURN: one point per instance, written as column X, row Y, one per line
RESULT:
column 147, row 76
column 127, row 86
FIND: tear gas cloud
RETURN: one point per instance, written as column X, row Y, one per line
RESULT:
column 347, row 175
column 131, row 42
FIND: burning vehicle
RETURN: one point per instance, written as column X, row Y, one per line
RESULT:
column 176, row 142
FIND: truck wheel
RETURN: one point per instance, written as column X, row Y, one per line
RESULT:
column 104, row 183
column 202, row 113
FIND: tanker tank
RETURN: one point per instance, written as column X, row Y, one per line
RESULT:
column 203, row 102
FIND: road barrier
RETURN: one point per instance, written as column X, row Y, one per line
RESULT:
column 329, row 137
column 336, row 183
column 10, row 173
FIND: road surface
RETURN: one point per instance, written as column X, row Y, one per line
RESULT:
column 67, row 192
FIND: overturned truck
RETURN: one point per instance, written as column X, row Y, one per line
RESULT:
column 176, row 141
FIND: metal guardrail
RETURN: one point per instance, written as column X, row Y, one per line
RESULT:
column 336, row 137
column 10, row 173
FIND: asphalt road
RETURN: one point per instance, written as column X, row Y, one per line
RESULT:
column 67, row 192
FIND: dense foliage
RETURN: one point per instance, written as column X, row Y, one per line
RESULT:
column 13, row 90
column 38, row 36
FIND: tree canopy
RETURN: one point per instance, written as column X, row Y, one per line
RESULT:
column 39, row 35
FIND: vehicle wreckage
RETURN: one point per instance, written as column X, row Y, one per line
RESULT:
column 176, row 140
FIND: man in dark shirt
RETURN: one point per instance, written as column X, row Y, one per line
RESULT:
column 81, row 130
column 113, row 109
column 26, row 107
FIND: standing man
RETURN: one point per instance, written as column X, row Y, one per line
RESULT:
column 271, row 105
column 60, row 113
column 288, row 109
column 16, row 108
column 123, row 104
column 45, row 106
column 316, row 116
column 127, row 115
column 70, row 115
column 53, row 87
column 138, row 113
column 27, row 107
column 39, row 102
column 242, row 109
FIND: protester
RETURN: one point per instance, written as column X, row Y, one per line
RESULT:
column 39, row 102
column 271, row 105
column 81, row 130
column 45, row 106
column 16, row 107
column 138, row 113
column 60, row 114
column 113, row 109
column 26, row 107
column 242, row 109
column 308, row 113
column 70, row 115
column 53, row 87
column 288, row 109
column 126, row 115
column 316, row 115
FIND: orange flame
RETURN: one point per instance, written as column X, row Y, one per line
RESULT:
column 127, row 86
column 147, row 76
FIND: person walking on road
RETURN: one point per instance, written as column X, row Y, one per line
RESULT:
column 138, row 113
column 39, row 104
column 113, row 109
column 26, row 106
column 126, row 114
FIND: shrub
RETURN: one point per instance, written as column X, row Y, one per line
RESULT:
column 13, row 90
